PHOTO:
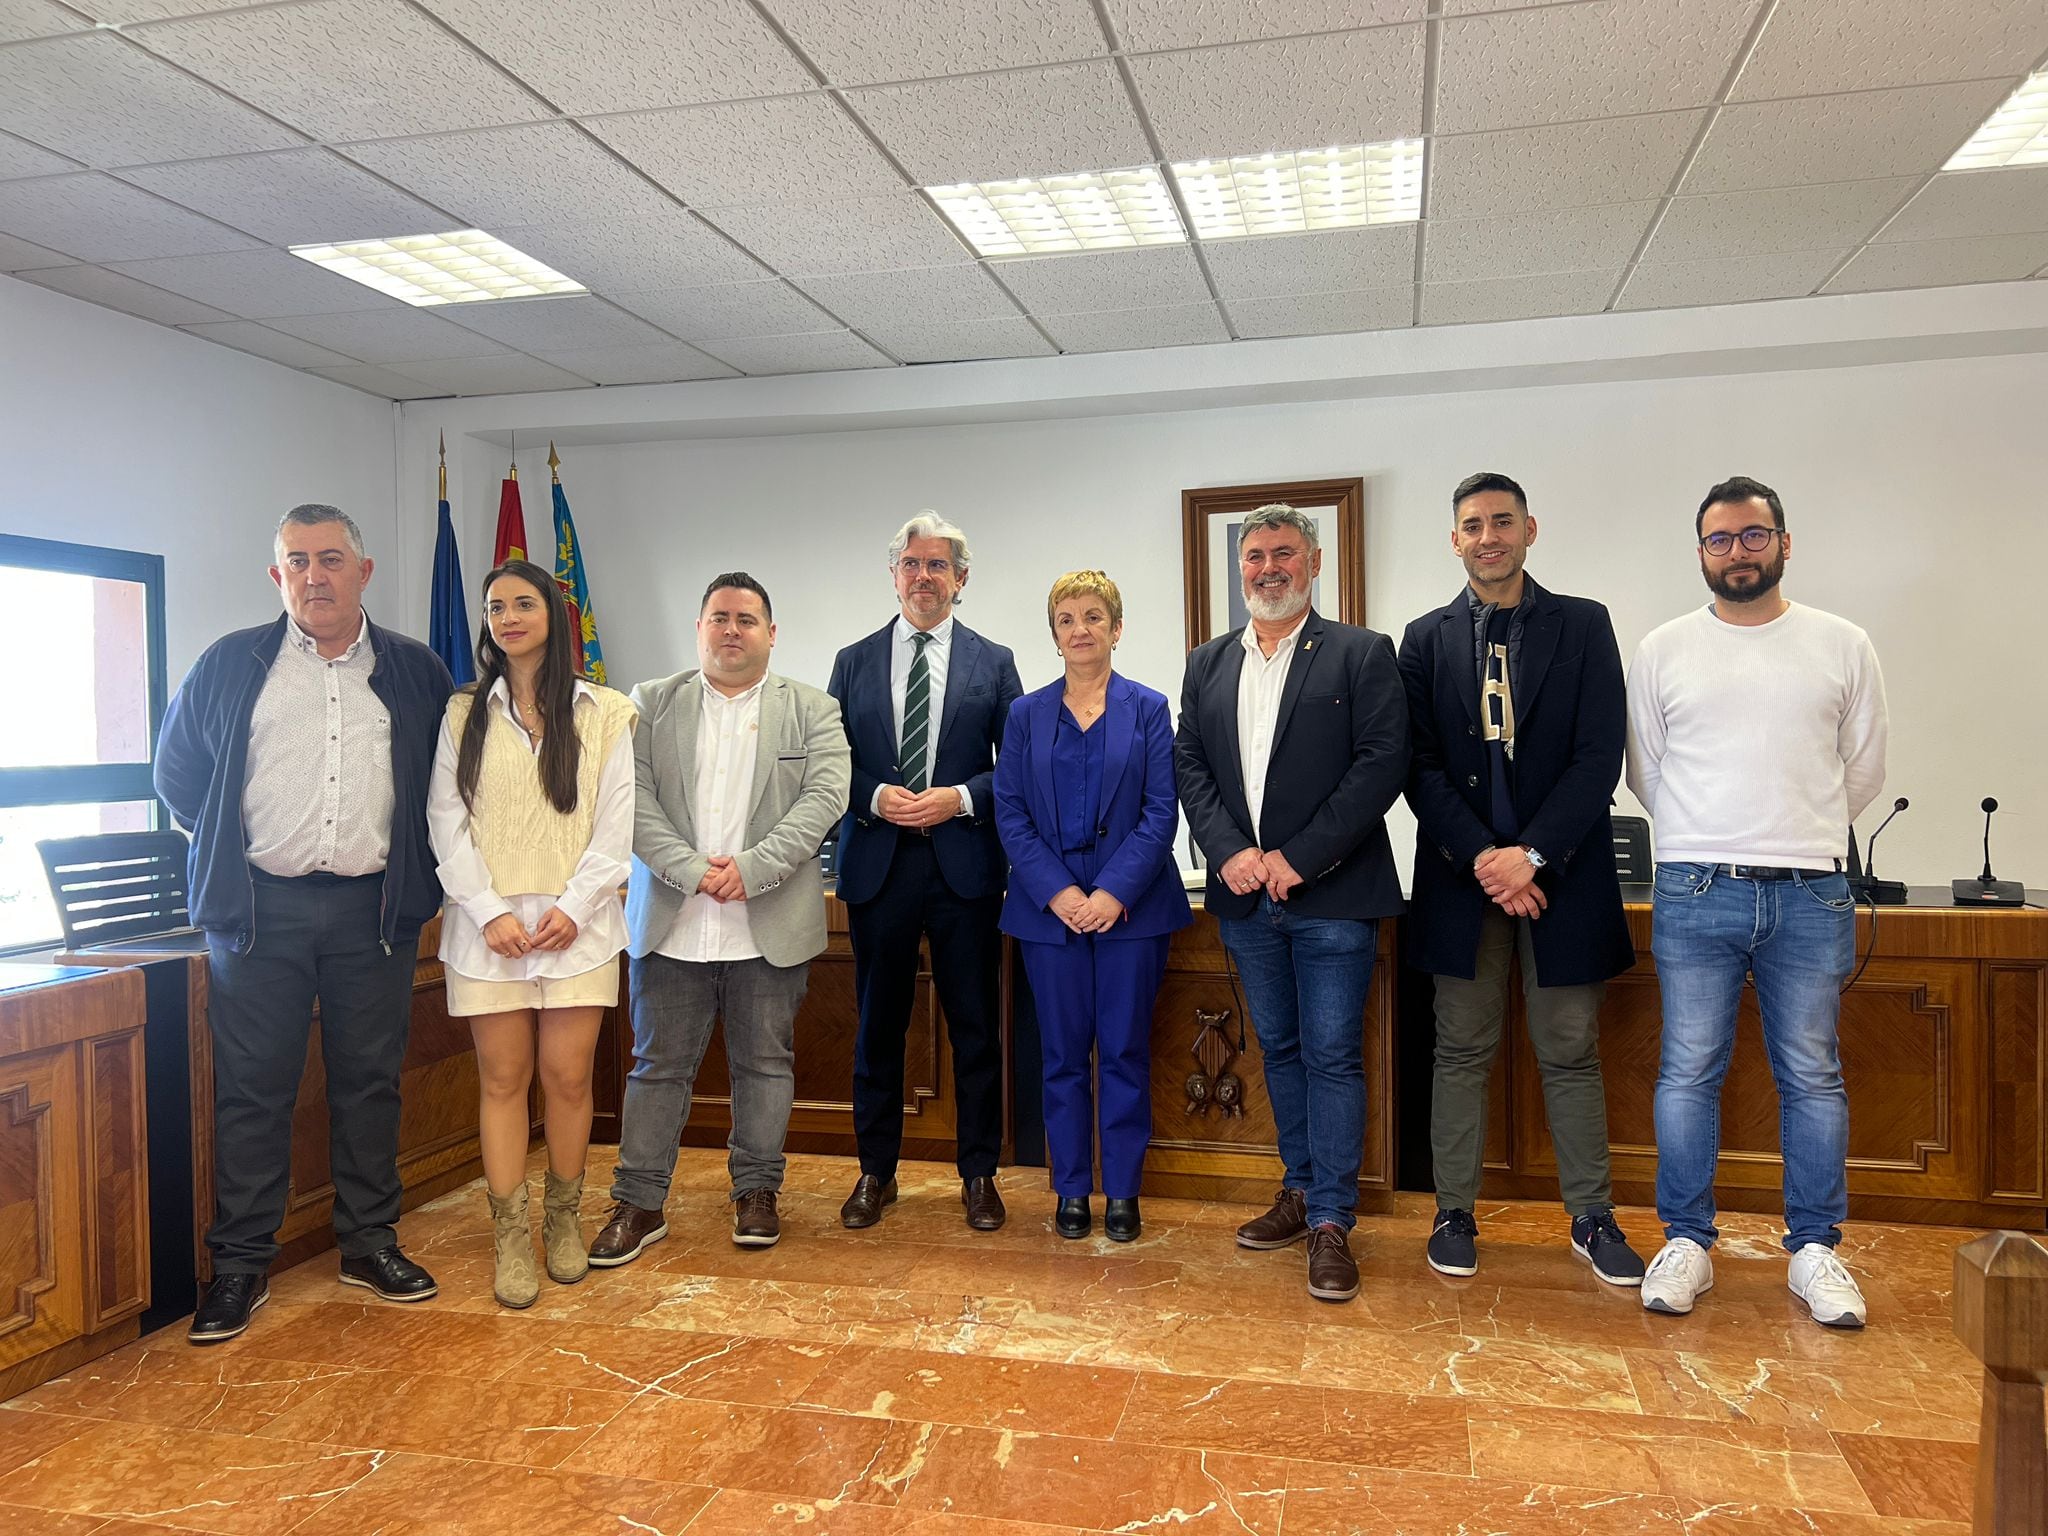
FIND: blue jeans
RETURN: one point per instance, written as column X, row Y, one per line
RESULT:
column 1305, row 981
column 1798, row 939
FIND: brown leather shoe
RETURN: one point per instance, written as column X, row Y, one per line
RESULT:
column 629, row 1230
column 754, row 1222
column 863, row 1207
column 1286, row 1223
column 1332, row 1272
column 984, row 1205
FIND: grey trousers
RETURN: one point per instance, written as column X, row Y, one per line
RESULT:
column 675, row 1003
column 1564, row 1029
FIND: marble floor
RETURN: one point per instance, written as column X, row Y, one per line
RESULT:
column 919, row 1379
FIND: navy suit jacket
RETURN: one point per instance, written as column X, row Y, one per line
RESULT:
column 981, row 683
column 1339, row 759
column 1570, row 731
column 1134, row 823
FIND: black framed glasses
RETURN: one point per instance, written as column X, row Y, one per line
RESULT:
column 1756, row 540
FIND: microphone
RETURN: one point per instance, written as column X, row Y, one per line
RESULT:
column 1883, row 893
column 1985, row 891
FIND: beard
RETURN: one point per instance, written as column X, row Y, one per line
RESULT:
column 1277, row 608
column 1768, row 575
column 1506, row 571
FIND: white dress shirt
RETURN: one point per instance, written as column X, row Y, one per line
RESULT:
column 591, row 898
column 937, row 657
column 317, row 797
column 1259, row 687
column 728, row 741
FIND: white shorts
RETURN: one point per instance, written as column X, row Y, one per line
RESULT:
column 598, row 988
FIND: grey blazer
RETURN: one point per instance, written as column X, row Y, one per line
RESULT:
column 801, row 772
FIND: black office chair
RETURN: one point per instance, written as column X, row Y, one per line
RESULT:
column 1632, row 861
column 120, row 888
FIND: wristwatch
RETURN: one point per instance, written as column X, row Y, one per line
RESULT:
column 1536, row 860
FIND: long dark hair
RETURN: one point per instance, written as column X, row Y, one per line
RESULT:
column 554, row 691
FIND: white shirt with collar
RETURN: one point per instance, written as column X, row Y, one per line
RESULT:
column 591, row 897
column 1259, row 689
column 317, row 797
column 938, row 656
column 728, row 743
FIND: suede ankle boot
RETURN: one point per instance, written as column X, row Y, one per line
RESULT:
column 514, row 1279
column 561, row 1234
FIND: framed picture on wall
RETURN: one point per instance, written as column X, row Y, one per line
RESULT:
column 1210, row 519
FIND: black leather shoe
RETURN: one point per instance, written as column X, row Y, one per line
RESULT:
column 863, row 1207
column 984, row 1205
column 229, row 1302
column 1120, row 1220
column 390, row 1274
column 1073, row 1218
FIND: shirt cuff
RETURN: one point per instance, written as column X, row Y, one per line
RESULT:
column 966, row 800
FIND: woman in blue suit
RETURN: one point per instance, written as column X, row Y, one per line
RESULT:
column 1084, row 801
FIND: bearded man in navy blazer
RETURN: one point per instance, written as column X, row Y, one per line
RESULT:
column 924, row 700
column 1293, row 742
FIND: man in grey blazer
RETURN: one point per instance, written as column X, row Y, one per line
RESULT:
column 740, row 774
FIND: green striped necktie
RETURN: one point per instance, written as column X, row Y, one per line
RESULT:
column 917, row 719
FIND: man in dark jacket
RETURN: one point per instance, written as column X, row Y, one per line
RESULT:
column 1518, row 717
column 297, row 754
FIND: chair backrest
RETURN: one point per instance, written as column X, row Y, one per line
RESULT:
column 1632, row 862
column 117, row 886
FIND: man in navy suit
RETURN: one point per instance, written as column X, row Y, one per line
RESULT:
column 1516, row 703
column 1293, row 743
column 924, row 700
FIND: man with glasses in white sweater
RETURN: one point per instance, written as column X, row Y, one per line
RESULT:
column 1756, row 735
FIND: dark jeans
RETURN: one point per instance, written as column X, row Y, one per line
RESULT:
column 314, row 940
column 1305, row 982
column 967, row 957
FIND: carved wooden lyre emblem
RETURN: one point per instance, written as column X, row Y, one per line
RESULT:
column 1210, row 1084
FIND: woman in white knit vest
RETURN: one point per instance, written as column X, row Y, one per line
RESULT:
column 531, row 815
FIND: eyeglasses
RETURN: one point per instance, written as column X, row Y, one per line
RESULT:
column 910, row 565
column 1755, row 540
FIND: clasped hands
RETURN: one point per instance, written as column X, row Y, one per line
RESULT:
column 1506, row 875
column 507, row 936
column 1251, row 868
column 1086, row 912
column 927, row 808
column 722, row 881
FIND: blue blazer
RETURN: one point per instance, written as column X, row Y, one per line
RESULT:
column 981, row 681
column 1136, row 822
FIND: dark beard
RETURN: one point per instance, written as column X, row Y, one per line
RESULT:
column 1767, row 580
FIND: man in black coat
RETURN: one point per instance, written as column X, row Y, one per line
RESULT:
column 1519, row 721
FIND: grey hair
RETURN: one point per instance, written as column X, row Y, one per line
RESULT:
column 1277, row 514
column 312, row 514
column 929, row 525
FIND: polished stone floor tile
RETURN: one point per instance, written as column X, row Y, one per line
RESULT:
column 1298, row 1422
column 1024, row 1395
column 1913, row 1479
column 413, row 1495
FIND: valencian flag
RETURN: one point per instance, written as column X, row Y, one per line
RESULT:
column 448, row 611
column 570, row 578
column 511, row 520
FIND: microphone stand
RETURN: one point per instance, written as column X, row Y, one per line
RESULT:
column 1879, row 893
column 1985, row 891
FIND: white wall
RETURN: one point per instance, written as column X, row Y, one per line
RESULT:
column 117, row 432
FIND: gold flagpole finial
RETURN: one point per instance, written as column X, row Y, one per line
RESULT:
column 554, row 462
column 444, row 466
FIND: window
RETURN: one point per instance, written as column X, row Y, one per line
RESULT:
column 81, row 695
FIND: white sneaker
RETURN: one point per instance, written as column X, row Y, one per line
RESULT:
column 1680, row 1272
column 1818, row 1278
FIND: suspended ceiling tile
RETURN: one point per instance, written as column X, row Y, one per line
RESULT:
column 1150, row 277
column 20, row 158
column 1939, row 263
column 866, row 234
column 1840, row 138
column 1728, row 279
column 1029, row 122
column 262, row 341
column 1781, row 219
column 663, row 247
column 1812, row 46
column 770, row 308
column 17, row 255
column 509, row 373
column 1316, row 314
column 670, row 363
column 555, row 325
column 96, row 218
column 1145, row 26
column 1517, row 298
column 784, row 149
column 954, row 341
column 21, row 20
column 1131, row 330
column 813, row 352
column 380, row 381
column 1350, row 88
column 1606, row 58
column 1522, row 170
column 293, row 197
column 96, row 285
column 538, row 173
column 909, row 296
column 1522, row 245
column 2010, row 201
column 258, row 285
column 150, row 10
column 345, row 69
column 102, row 100
column 1269, row 266
column 399, row 335
column 859, row 42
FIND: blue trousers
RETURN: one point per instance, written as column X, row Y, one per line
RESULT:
column 1095, row 995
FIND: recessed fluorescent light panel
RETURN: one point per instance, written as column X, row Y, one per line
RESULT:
column 1091, row 211
column 1291, row 192
column 465, row 266
column 2016, row 134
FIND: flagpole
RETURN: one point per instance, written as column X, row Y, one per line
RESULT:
column 554, row 462
column 444, row 466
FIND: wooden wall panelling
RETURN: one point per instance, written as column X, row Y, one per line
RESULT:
column 2016, row 1005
